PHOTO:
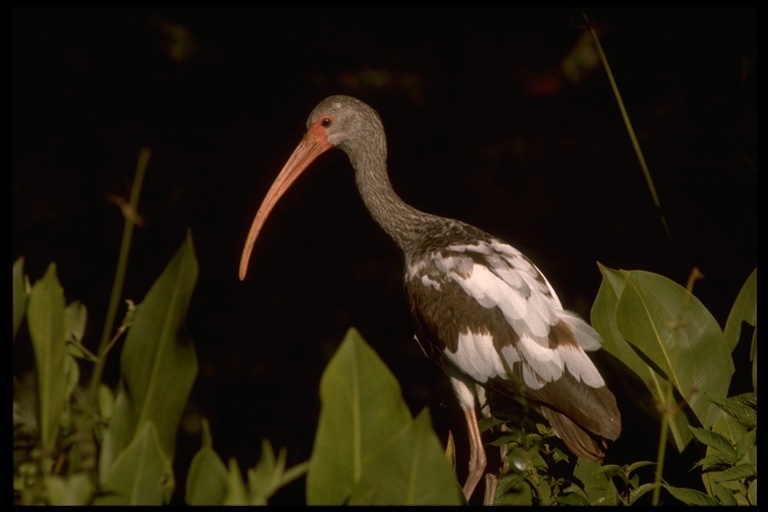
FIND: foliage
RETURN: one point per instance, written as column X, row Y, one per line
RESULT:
column 662, row 333
column 117, row 448
column 133, row 433
column 368, row 449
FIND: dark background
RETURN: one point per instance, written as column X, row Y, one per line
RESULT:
column 483, row 125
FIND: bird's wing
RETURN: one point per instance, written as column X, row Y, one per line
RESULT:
column 492, row 308
column 493, row 316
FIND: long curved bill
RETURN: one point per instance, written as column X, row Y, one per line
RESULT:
column 311, row 146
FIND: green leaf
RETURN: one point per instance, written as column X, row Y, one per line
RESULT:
column 158, row 364
column 738, row 472
column 674, row 330
column 264, row 479
column 597, row 486
column 45, row 317
column 106, row 403
column 20, row 294
column 573, row 497
column 716, row 460
column 75, row 318
column 639, row 464
column 715, row 440
column 639, row 492
column 207, row 478
column 723, row 494
column 605, row 320
column 237, row 494
column 746, row 443
column 744, row 309
column 513, row 490
column 678, row 338
column 75, row 489
column 362, row 410
column 411, row 470
column 740, row 408
column 141, row 475
column 269, row 474
column 368, row 449
column 752, row 492
column 691, row 496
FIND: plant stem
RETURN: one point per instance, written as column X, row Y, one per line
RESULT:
column 667, row 410
column 630, row 130
column 122, row 265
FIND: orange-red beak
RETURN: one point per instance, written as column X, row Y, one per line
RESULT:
column 311, row 146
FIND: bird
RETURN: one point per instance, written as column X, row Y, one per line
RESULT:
column 481, row 309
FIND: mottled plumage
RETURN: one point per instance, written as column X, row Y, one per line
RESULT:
column 491, row 315
column 482, row 310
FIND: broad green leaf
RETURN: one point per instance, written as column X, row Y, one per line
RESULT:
column 605, row 320
column 158, row 364
column 207, row 478
column 675, row 331
column 20, row 294
column 412, row 470
column 45, row 317
column 362, row 410
column 141, row 474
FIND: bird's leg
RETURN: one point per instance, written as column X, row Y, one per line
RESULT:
column 477, row 460
column 491, row 483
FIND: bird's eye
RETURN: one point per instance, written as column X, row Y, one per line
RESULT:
column 326, row 122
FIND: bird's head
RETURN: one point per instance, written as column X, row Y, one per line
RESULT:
column 340, row 120
column 337, row 121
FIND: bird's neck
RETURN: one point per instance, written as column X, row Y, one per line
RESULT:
column 406, row 225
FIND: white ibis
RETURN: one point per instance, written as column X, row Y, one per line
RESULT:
column 482, row 309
